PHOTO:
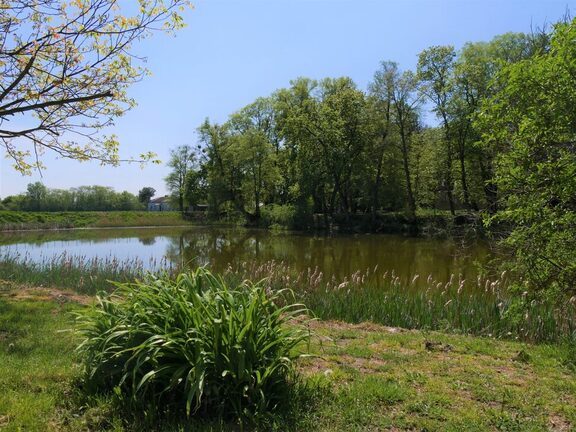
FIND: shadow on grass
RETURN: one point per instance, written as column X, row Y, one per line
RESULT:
column 113, row 411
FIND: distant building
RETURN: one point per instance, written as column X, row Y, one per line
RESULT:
column 160, row 204
column 199, row 207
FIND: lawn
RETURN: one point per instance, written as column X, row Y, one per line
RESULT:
column 364, row 377
column 19, row 220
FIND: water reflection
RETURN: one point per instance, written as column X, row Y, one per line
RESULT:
column 339, row 255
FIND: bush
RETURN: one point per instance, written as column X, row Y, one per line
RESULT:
column 276, row 215
column 192, row 344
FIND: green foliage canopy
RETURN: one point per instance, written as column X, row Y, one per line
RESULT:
column 530, row 125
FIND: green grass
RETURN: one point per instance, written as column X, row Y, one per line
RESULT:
column 484, row 310
column 193, row 345
column 19, row 220
column 385, row 378
column 36, row 363
column 363, row 378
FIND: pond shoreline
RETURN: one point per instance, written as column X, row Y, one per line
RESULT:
column 435, row 225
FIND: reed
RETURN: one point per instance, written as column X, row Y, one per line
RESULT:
column 79, row 273
column 482, row 307
column 193, row 344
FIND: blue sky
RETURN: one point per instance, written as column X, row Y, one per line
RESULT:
column 235, row 51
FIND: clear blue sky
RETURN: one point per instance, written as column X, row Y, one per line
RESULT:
column 235, row 51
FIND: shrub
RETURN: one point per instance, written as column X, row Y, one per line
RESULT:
column 192, row 344
column 278, row 215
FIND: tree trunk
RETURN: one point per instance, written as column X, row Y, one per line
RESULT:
column 409, row 192
column 376, row 189
column 490, row 190
column 462, row 157
column 448, row 173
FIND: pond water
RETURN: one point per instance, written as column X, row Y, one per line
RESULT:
column 336, row 255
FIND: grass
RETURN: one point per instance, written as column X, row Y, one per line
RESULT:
column 482, row 309
column 452, row 306
column 364, row 377
column 85, row 276
column 193, row 345
column 19, row 220
column 386, row 378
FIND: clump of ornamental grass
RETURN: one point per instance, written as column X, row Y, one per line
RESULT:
column 193, row 345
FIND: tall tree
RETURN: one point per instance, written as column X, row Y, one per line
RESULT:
column 380, row 90
column 398, row 94
column 326, row 123
column 435, row 68
column 256, row 146
column 181, row 161
column 222, row 171
column 36, row 196
column 65, row 68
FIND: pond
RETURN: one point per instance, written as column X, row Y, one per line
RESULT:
column 337, row 256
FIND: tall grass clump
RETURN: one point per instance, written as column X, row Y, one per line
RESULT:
column 193, row 345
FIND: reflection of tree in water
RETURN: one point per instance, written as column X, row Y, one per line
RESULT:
column 337, row 255
column 147, row 241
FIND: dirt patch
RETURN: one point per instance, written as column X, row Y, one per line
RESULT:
column 48, row 294
column 363, row 365
column 326, row 365
column 364, row 326
column 558, row 423
column 315, row 365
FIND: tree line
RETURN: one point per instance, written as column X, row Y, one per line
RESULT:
column 38, row 197
column 328, row 147
column 503, row 143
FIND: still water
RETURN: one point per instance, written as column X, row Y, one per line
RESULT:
column 337, row 255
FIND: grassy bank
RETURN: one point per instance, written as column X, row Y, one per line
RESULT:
column 17, row 220
column 364, row 377
column 449, row 307
column 427, row 223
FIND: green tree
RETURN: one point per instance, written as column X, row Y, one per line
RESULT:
column 530, row 124
column 326, row 126
column 195, row 189
column 36, row 196
column 255, row 146
column 401, row 90
column 222, row 172
column 65, row 68
column 381, row 96
column 435, row 69
column 182, row 160
column 145, row 194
